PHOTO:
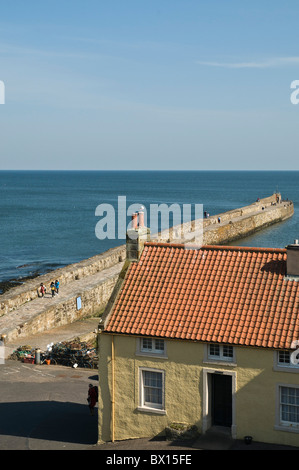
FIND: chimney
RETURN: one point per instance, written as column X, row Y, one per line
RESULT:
column 137, row 235
column 293, row 259
column 134, row 220
column 141, row 219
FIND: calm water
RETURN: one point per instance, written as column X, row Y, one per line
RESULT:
column 48, row 218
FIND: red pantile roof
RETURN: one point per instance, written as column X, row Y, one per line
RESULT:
column 225, row 294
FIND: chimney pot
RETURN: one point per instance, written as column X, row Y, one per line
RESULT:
column 134, row 220
column 141, row 219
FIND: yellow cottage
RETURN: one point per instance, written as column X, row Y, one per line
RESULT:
column 204, row 337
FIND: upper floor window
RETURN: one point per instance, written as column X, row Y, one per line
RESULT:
column 221, row 352
column 151, row 346
column 288, row 358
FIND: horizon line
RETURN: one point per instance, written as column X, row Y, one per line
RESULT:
column 145, row 170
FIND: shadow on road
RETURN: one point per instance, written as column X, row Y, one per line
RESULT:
column 49, row 421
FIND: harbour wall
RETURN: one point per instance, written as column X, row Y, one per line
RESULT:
column 235, row 224
column 18, row 296
column 93, row 301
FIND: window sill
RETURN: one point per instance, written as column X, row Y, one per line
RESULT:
column 287, row 428
column 289, row 369
column 145, row 354
column 220, row 362
column 144, row 409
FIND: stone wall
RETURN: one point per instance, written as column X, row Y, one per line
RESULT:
column 245, row 226
column 93, row 301
column 19, row 295
column 240, row 222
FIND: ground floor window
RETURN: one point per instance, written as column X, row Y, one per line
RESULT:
column 289, row 405
column 152, row 389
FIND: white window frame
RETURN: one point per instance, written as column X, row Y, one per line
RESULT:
column 287, row 361
column 221, row 357
column 285, row 425
column 148, row 406
column 285, row 366
column 153, row 349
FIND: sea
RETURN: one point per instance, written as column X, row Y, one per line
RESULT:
column 49, row 219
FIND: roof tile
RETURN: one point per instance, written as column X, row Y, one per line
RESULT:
column 213, row 293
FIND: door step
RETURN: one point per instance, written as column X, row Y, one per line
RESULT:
column 216, row 438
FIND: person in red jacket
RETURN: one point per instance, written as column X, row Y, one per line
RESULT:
column 92, row 398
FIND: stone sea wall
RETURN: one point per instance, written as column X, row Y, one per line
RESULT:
column 246, row 225
column 66, row 312
column 28, row 291
column 239, row 222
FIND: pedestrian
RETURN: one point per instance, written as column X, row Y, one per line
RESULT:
column 57, row 286
column 52, row 288
column 42, row 289
column 219, row 220
column 92, row 398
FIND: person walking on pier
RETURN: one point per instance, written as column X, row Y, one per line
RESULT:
column 42, row 289
column 52, row 288
column 57, row 286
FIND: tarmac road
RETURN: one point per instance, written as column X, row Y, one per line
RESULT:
column 45, row 407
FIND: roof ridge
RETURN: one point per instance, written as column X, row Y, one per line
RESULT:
column 216, row 247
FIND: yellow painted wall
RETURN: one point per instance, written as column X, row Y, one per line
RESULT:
column 185, row 367
column 257, row 396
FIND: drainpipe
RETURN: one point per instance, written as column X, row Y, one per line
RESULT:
column 113, row 397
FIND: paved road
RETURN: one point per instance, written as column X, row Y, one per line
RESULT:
column 45, row 407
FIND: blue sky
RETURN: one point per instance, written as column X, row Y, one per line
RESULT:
column 168, row 84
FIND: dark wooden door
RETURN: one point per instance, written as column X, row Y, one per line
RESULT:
column 221, row 400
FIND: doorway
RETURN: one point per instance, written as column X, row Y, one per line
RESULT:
column 221, row 400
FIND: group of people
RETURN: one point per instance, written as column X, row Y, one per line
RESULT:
column 54, row 287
